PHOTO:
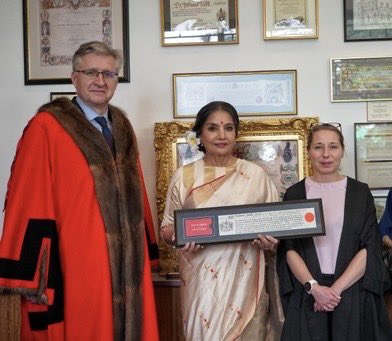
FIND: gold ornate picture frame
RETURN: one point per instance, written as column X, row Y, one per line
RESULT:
column 277, row 145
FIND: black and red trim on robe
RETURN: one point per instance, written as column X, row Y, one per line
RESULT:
column 26, row 267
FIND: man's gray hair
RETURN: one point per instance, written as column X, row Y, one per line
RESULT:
column 98, row 48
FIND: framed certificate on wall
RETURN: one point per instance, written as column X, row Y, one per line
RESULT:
column 373, row 154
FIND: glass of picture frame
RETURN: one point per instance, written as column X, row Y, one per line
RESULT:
column 290, row 19
column 373, row 154
column 252, row 93
column 210, row 22
column 277, row 145
column 367, row 20
column 361, row 79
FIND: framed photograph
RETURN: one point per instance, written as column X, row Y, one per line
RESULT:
column 53, row 30
column 252, row 93
column 361, row 79
column 289, row 219
column 380, row 203
column 277, row 145
column 55, row 95
column 290, row 19
column 373, row 154
column 185, row 22
column 379, row 111
column 367, row 20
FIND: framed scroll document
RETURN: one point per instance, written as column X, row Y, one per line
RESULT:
column 373, row 154
column 290, row 19
column 252, row 93
column 199, row 22
column 361, row 79
column 54, row 29
column 289, row 219
column 367, row 20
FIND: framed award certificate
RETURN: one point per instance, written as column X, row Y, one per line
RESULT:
column 288, row 219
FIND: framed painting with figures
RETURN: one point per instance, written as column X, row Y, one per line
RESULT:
column 277, row 145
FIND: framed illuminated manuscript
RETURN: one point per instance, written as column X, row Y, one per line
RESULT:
column 277, row 145
column 361, row 79
column 53, row 31
column 185, row 22
column 290, row 19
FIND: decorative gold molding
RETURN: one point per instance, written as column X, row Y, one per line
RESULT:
column 168, row 134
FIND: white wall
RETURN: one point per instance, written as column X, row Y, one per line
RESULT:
column 148, row 98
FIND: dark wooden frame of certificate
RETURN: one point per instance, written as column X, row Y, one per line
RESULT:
column 61, row 77
column 185, row 40
column 350, row 34
column 210, row 216
column 361, row 131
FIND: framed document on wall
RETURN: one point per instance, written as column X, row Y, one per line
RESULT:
column 367, row 20
column 290, row 19
column 53, row 30
column 185, row 22
column 252, row 93
column 361, row 79
column 373, row 154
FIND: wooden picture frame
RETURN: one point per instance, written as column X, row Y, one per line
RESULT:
column 290, row 19
column 170, row 146
column 199, row 23
column 53, row 30
column 252, row 93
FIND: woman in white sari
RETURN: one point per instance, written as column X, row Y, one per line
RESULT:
column 224, row 293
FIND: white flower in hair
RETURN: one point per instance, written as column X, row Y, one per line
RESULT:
column 192, row 140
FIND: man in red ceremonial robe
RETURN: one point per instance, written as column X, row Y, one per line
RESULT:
column 73, row 241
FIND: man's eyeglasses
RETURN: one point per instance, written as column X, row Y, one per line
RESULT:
column 336, row 125
column 95, row 74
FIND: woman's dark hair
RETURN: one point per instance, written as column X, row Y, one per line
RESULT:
column 335, row 127
column 207, row 110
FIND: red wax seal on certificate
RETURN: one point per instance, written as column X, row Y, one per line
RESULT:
column 309, row 217
column 198, row 227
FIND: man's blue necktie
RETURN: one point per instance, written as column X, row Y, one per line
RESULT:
column 107, row 134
